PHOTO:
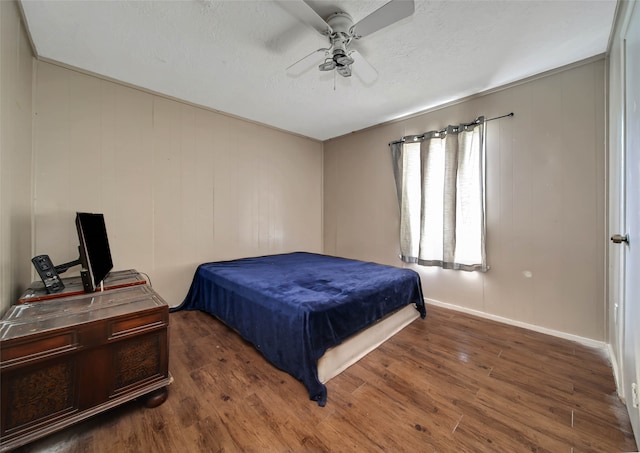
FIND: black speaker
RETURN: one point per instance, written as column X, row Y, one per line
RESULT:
column 48, row 274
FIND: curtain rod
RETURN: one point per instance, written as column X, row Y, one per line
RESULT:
column 476, row 121
column 498, row 117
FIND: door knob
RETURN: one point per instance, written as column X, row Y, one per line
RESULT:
column 618, row 238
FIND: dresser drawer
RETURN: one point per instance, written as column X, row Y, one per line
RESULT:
column 38, row 346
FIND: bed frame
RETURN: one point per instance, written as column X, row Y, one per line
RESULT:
column 339, row 358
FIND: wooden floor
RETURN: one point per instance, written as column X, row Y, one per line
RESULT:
column 449, row 383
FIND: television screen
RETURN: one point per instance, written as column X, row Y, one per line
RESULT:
column 94, row 246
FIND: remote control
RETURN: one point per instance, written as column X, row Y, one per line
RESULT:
column 48, row 274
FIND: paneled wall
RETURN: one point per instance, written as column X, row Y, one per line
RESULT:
column 16, row 64
column 545, row 202
column 178, row 185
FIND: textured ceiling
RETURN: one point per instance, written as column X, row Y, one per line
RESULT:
column 232, row 56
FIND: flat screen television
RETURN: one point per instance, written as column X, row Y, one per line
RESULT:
column 95, row 254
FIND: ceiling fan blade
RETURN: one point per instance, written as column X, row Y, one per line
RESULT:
column 362, row 69
column 307, row 62
column 303, row 12
column 386, row 15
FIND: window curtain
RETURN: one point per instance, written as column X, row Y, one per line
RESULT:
column 441, row 193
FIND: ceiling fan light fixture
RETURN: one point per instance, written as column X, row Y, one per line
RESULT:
column 342, row 59
column 344, row 71
column 328, row 65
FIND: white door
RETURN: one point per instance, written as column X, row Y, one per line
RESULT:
column 631, row 340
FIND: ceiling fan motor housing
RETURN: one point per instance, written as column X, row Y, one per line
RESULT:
column 340, row 22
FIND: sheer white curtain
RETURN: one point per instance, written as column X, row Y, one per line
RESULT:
column 440, row 184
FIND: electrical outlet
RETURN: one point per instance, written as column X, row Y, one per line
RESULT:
column 634, row 395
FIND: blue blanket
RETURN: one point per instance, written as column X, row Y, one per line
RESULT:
column 293, row 307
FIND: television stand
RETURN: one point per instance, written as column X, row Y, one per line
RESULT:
column 69, row 358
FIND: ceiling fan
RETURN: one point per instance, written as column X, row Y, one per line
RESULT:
column 341, row 32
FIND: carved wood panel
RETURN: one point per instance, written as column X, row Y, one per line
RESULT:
column 41, row 393
column 136, row 360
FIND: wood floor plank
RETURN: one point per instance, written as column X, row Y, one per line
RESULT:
column 537, row 406
column 450, row 383
column 414, row 406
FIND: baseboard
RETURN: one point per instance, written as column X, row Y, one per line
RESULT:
column 616, row 371
column 556, row 333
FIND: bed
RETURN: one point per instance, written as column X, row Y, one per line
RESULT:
column 294, row 307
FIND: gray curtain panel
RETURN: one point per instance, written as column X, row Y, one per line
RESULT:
column 440, row 186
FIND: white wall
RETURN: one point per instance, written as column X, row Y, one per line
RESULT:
column 545, row 201
column 16, row 60
column 178, row 185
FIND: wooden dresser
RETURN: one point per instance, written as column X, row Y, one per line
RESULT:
column 66, row 359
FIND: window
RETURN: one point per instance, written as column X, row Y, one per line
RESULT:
column 440, row 184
